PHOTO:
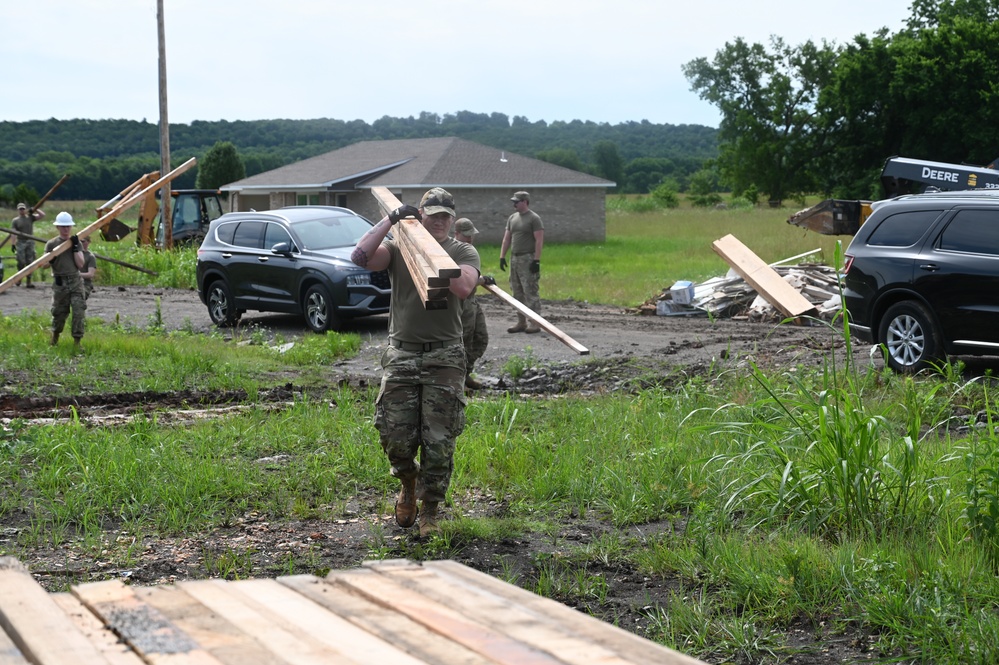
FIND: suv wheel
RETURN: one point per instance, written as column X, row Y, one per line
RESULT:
column 910, row 337
column 221, row 308
column 320, row 315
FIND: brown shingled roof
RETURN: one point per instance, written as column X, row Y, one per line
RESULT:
column 448, row 161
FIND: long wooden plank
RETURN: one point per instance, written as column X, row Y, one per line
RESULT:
column 441, row 619
column 213, row 632
column 141, row 625
column 767, row 282
column 31, row 620
column 435, row 255
column 44, row 259
column 294, row 645
column 102, row 637
column 292, row 610
column 537, row 318
column 525, row 624
column 416, row 264
column 383, row 623
column 9, row 653
column 602, row 633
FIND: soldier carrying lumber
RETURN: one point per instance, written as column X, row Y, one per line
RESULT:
column 24, row 247
column 67, row 289
column 420, row 408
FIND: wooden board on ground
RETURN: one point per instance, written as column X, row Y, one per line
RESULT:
column 762, row 277
column 395, row 611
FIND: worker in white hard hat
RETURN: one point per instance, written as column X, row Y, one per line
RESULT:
column 67, row 290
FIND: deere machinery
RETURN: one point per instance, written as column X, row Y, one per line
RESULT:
column 900, row 175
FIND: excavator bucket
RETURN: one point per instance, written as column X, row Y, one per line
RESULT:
column 833, row 217
column 115, row 230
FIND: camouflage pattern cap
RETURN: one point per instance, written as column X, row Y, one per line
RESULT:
column 437, row 200
column 465, row 227
column 21, row 206
column 521, row 196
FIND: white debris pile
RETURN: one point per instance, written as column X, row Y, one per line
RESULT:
column 731, row 296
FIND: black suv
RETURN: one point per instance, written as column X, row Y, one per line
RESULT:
column 922, row 277
column 294, row 260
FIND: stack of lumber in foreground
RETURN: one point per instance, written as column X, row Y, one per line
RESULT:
column 429, row 265
column 396, row 612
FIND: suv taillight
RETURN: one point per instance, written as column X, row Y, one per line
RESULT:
column 849, row 262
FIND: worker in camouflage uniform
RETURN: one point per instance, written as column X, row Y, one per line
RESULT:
column 89, row 270
column 475, row 336
column 524, row 237
column 420, row 408
column 67, row 289
column 24, row 248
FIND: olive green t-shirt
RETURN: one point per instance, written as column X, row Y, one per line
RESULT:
column 522, row 227
column 64, row 264
column 409, row 320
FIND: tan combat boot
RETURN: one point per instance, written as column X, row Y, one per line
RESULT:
column 428, row 519
column 520, row 327
column 405, row 504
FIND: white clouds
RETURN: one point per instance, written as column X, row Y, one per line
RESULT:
column 582, row 59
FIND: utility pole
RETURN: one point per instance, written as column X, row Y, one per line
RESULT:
column 165, row 218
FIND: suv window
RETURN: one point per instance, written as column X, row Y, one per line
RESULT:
column 974, row 231
column 225, row 232
column 902, row 229
column 274, row 234
column 249, row 234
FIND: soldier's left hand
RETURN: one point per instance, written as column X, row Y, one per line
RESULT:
column 536, row 267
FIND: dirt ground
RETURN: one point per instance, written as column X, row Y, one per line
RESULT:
column 626, row 351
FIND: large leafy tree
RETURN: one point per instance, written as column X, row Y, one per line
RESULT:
column 608, row 162
column 220, row 166
column 927, row 92
column 771, row 129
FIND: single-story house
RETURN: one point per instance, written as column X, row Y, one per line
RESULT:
column 481, row 179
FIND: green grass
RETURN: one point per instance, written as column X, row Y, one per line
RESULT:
column 644, row 254
column 840, row 497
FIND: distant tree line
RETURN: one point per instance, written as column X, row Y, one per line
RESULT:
column 105, row 156
column 823, row 118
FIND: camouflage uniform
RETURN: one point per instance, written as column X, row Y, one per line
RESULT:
column 474, row 335
column 89, row 261
column 67, row 292
column 420, row 408
column 24, row 247
column 525, row 284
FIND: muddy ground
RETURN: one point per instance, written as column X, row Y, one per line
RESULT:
column 626, row 352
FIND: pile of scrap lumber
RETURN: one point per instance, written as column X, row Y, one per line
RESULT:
column 756, row 291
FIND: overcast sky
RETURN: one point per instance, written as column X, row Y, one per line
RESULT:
column 546, row 60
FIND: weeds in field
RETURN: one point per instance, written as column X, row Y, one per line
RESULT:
column 839, row 498
column 517, row 366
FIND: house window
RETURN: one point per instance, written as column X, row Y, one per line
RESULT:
column 308, row 199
